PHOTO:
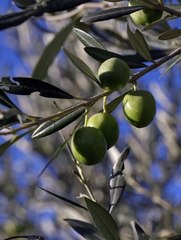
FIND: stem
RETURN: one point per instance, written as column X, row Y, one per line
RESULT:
column 155, row 65
column 61, row 114
column 83, row 181
column 104, row 104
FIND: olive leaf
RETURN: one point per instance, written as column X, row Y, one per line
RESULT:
column 109, row 13
column 24, row 3
column 26, row 86
column 87, row 39
column 102, row 55
column 82, row 66
column 138, row 41
column 103, row 220
column 51, row 51
column 117, row 181
column 87, row 230
column 138, row 233
column 28, row 237
column 53, row 126
column 63, row 198
column 170, row 34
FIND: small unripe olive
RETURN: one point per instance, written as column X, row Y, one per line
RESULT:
column 145, row 16
column 88, row 145
column 139, row 107
column 113, row 74
column 108, row 125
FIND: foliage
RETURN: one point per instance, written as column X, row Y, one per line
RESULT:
column 84, row 34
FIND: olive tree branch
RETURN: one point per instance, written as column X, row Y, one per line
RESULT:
column 156, row 64
column 58, row 115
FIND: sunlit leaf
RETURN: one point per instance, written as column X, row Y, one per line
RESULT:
column 103, row 220
column 171, row 34
column 85, row 229
column 138, row 233
column 81, row 66
column 137, row 40
column 87, row 39
column 117, row 181
column 26, row 86
column 63, row 198
column 53, row 126
column 102, row 55
column 50, row 52
column 109, row 13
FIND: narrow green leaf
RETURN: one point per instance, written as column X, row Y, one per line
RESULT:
column 24, row 3
column 85, row 229
column 137, row 40
column 171, row 34
column 109, row 13
column 53, row 126
column 81, row 66
column 62, row 198
column 87, row 39
column 50, row 52
column 103, row 220
column 138, row 233
column 114, row 103
column 102, row 55
column 172, row 63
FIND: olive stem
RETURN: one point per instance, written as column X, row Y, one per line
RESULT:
column 84, row 182
column 104, row 104
column 58, row 115
column 163, row 60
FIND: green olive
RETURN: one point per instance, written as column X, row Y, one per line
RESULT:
column 145, row 16
column 108, row 125
column 113, row 74
column 88, row 145
column 139, row 107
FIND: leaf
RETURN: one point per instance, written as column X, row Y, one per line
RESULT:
column 87, row 39
column 109, row 13
column 114, row 103
column 50, row 52
column 52, row 126
column 102, row 55
column 63, row 198
column 117, row 181
column 4, row 100
column 26, row 86
column 24, row 3
column 81, row 66
column 138, row 233
column 103, row 220
column 29, row 237
column 172, row 63
column 4, row 146
column 171, row 34
column 87, row 230
column 14, row 19
column 139, row 43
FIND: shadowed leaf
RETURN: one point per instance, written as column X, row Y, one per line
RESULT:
column 138, row 233
column 109, row 13
column 117, row 181
column 29, row 237
column 50, row 52
column 171, row 34
column 52, row 126
column 102, row 55
column 4, row 146
column 137, row 40
column 26, row 86
column 87, row 39
column 63, row 198
column 103, row 220
column 24, row 3
column 85, row 229
column 81, row 66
